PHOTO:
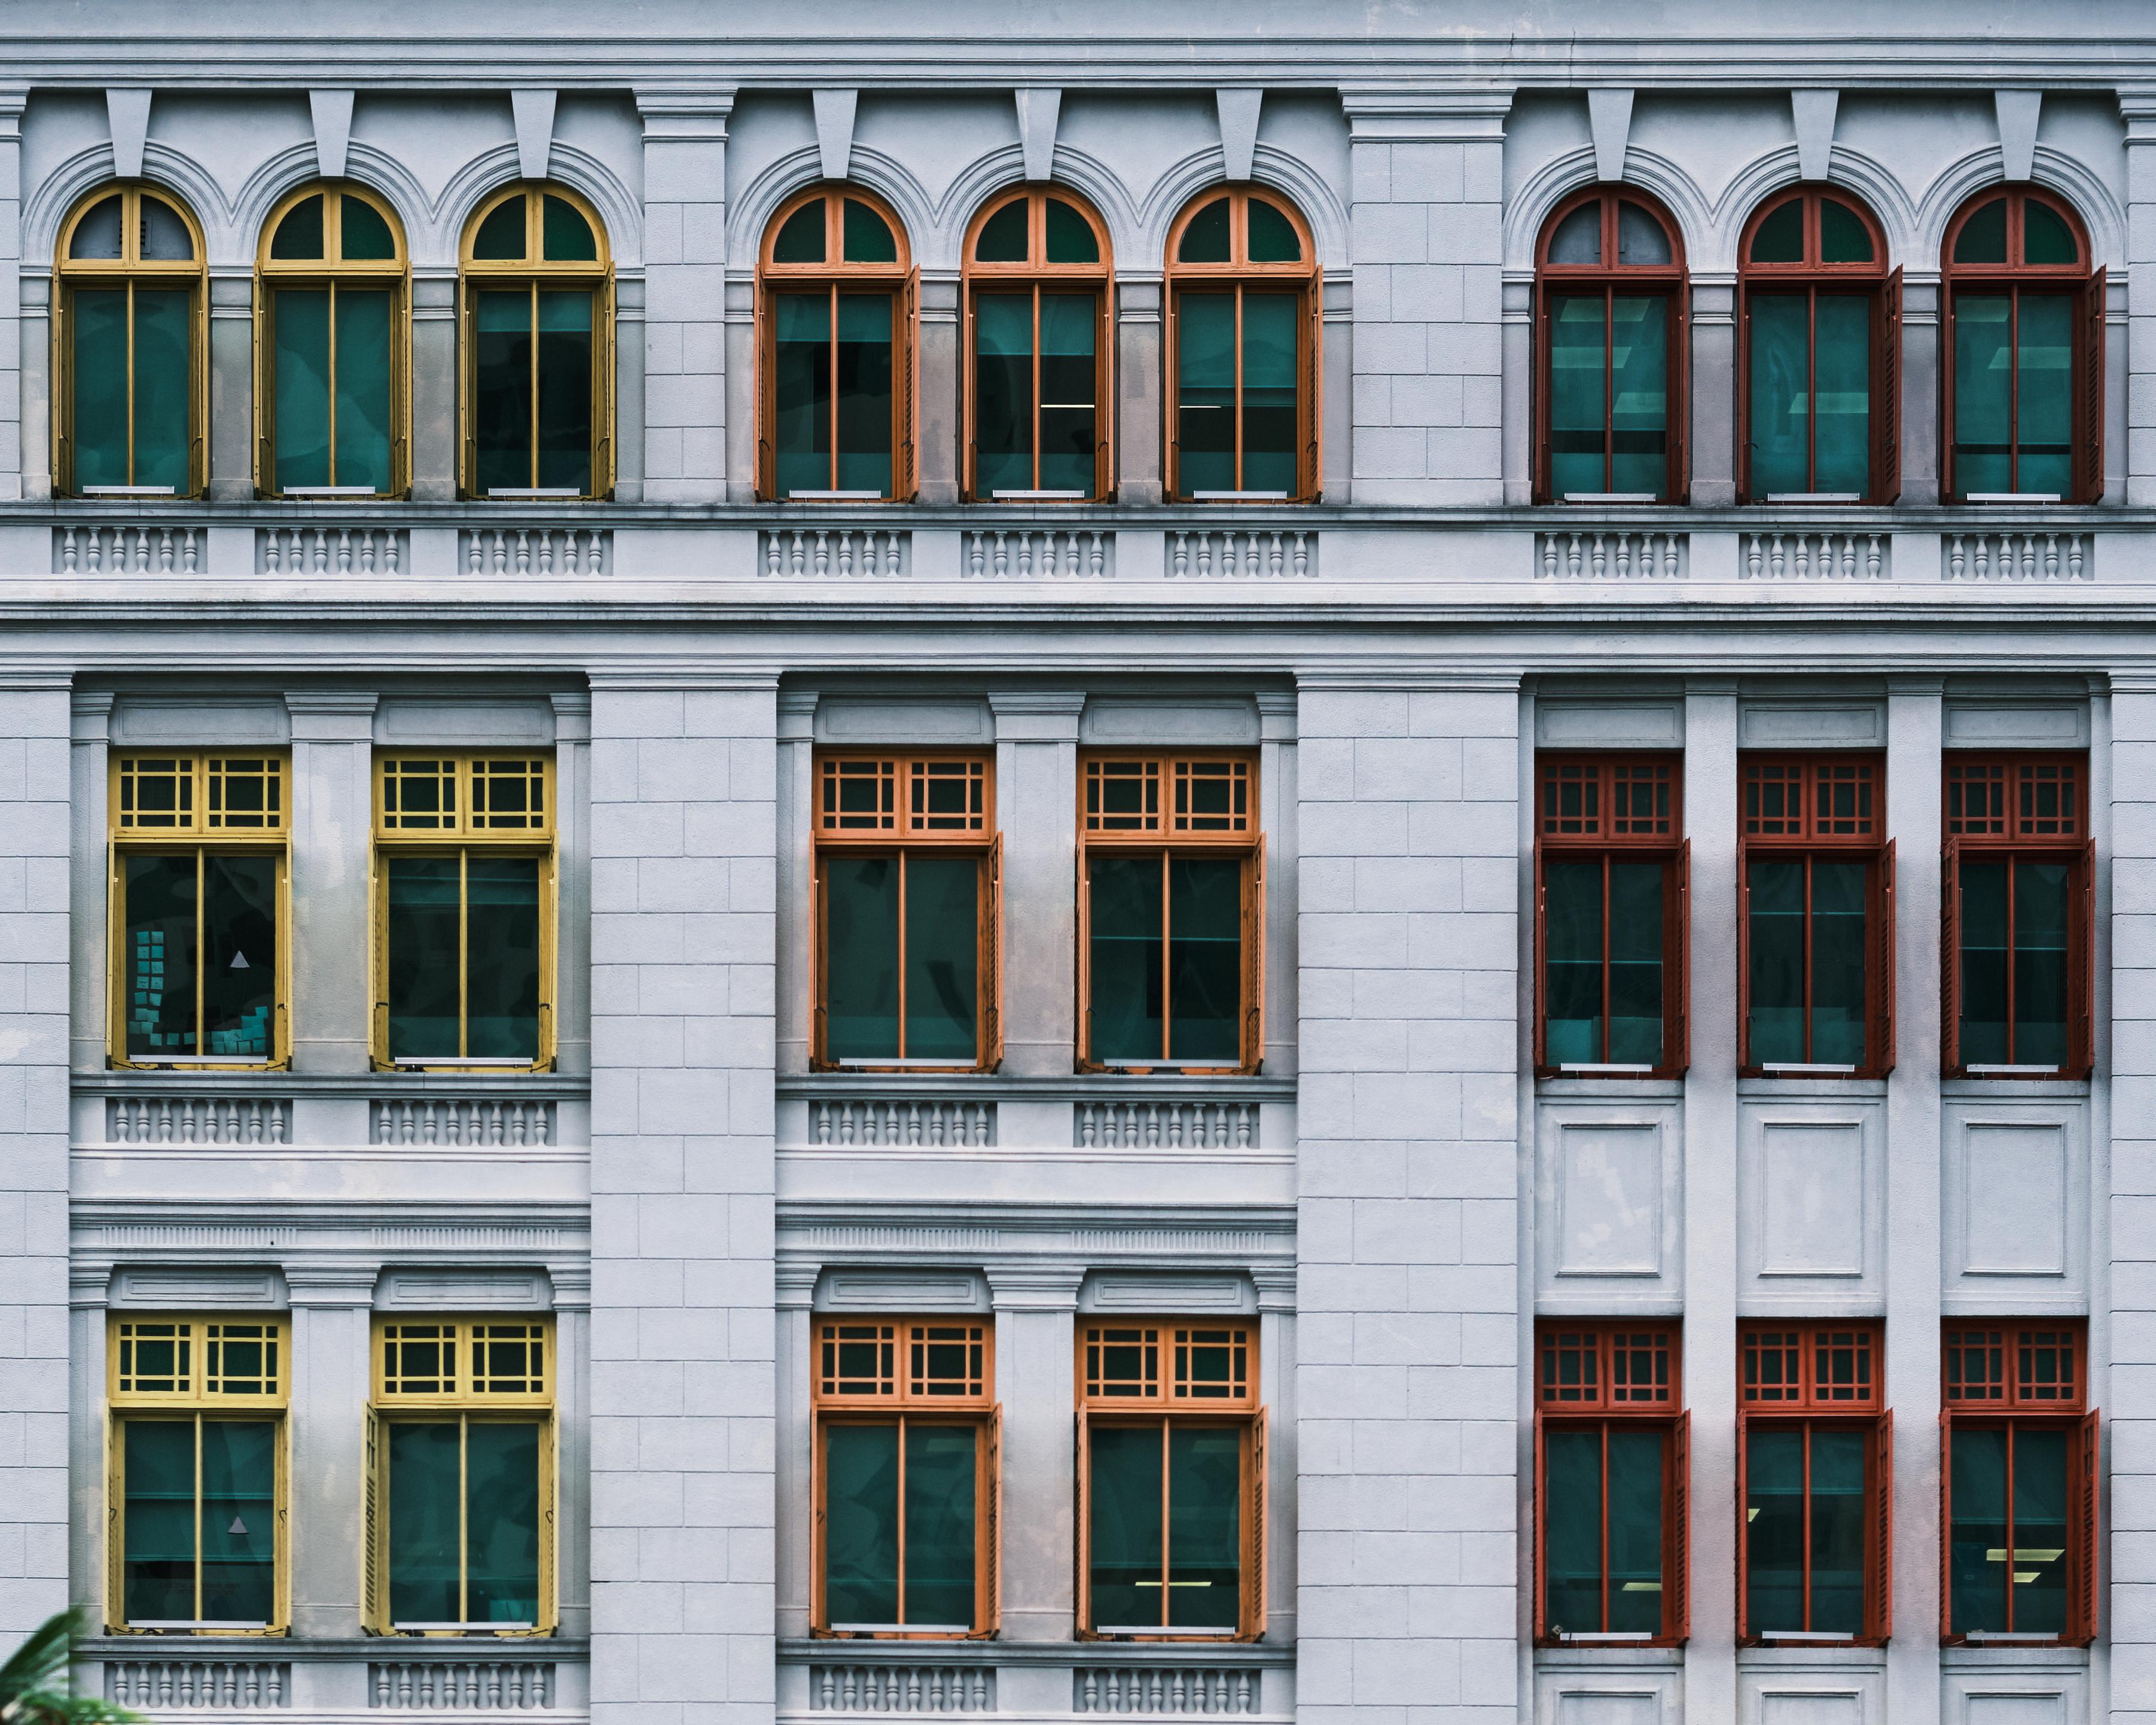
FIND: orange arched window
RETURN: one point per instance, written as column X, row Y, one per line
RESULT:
column 1610, row 329
column 2022, row 351
column 1039, row 342
column 1818, row 374
column 836, row 312
column 1245, row 344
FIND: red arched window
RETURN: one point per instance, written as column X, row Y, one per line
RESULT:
column 2022, row 351
column 1818, row 374
column 1610, row 338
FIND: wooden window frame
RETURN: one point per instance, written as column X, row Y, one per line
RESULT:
column 534, row 271
column 1163, row 1394
column 462, row 836
column 1306, row 277
column 1166, row 830
column 1812, row 276
column 130, row 270
column 470, row 1401
column 2085, row 411
column 900, row 1390
column 902, row 825
column 330, row 272
column 204, row 825
column 1590, row 826
column 1819, row 1398
column 1610, row 279
column 1813, row 834
column 1036, row 276
column 2015, row 1400
column 834, row 274
column 2016, row 832
column 205, row 1395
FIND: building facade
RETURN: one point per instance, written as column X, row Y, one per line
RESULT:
column 1021, row 862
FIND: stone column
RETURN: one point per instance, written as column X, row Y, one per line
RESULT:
column 1712, row 447
column 1276, row 1380
column 2138, row 107
column 794, row 1377
column 332, row 802
column 1140, row 469
column 1036, row 803
column 434, row 455
column 332, row 1309
column 16, row 454
column 936, row 389
column 573, row 876
column 89, row 876
column 573, row 1443
column 1035, row 1308
column 685, row 284
column 796, row 873
column 1922, row 433
column 231, row 451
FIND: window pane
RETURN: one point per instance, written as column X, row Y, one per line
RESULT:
column 501, row 956
column 1641, row 239
column 423, row 1522
column 421, row 935
column 239, row 1520
column 97, row 237
column 1579, row 237
column 942, row 957
column 1838, row 1528
column 158, row 1559
column 861, row 1523
column 1983, row 236
column 2045, row 238
column 364, row 358
column 163, row 345
column 1003, row 390
column 861, row 957
column 501, row 1522
column 1572, row 954
column 1070, row 236
column 1639, row 359
column 1206, row 959
column 1206, row 239
column 501, row 388
column 801, row 240
column 1780, row 238
column 1843, row 426
column 1269, row 379
column 801, row 385
column 1977, row 1544
column 2041, row 901
column 565, row 387
column 1124, row 961
column 240, row 957
column 1984, row 386
column 1578, row 360
column 1205, row 389
column 1572, row 1524
column 1636, row 1528
column 161, row 954
column 300, row 234
column 165, row 236
column 1003, row 235
column 300, row 322
column 1983, row 963
column 1635, row 963
column 1774, row 1527
column 1838, row 962
column 939, row 1525
column 564, row 237
column 99, row 376
column 1123, row 1506
column 864, row 391
column 1781, row 388
column 2046, row 406
column 1068, row 372
column 1777, row 941
column 1204, row 1526
column 1843, row 237
column 1273, row 238
column 366, row 236
column 2039, row 1562
column 500, row 236
column 868, row 236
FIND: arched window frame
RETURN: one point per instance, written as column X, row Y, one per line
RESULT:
column 330, row 272
column 834, row 275
column 1813, row 275
column 1305, row 276
column 1040, row 276
column 2086, row 410
column 536, row 271
column 1612, row 278
column 132, row 271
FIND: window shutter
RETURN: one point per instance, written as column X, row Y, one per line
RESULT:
column 1950, row 958
column 1254, row 964
column 1313, row 401
column 2081, row 936
column 1887, row 393
column 62, row 373
column 1254, row 1575
column 1945, row 363
column 604, row 398
column 1538, row 408
column 1677, row 402
column 1083, row 973
column 767, row 395
column 1104, row 344
column 264, row 473
column 1883, row 959
column 1743, row 961
column 819, row 1017
column 1081, row 1543
column 2088, row 433
column 1171, row 414
column 1743, row 1533
column 992, row 956
column 467, row 366
column 1676, row 1058
column 1743, row 390
column 992, row 1534
column 1676, row 1614
column 115, row 1543
column 2081, row 1532
column 1541, row 980
column 817, row 1626
column 1540, row 1560
column 550, row 1501
column 906, row 480
column 370, row 1526
column 1879, row 1561
column 1946, row 1524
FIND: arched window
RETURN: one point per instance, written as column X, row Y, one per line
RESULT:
column 1039, row 340
column 1244, row 351
column 1610, row 345
column 129, row 344
column 836, row 314
column 2023, row 348
column 1818, row 372
column 330, row 301
column 537, row 316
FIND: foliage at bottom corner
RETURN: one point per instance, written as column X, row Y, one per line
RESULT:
column 37, row 1684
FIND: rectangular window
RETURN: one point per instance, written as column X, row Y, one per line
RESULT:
column 1809, row 393
column 1036, row 376
column 199, row 910
column 2020, row 1471
column 1171, row 1481
column 132, row 368
column 1171, row 896
column 835, row 363
column 333, row 409
column 1815, row 928
column 907, row 1474
column 460, row 1483
column 197, row 1491
column 1612, row 902
column 1608, row 393
column 908, row 928
column 464, row 947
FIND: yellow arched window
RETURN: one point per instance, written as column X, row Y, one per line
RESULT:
column 129, row 339
column 1038, row 345
column 538, row 326
column 836, row 298
column 330, row 348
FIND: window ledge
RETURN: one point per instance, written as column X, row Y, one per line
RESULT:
column 330, row 1649
column 2012, row 1090
column 1602, row 1655
column 819, row 1650
column 1791, row 1656
column 2000, row 1655
column 1597, row 1087
column 530, row 1086
column 993, row 1087
column 1827, row 1086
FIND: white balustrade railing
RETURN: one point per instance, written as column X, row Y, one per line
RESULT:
column 1039, row 554
column 383, row 551
column 1805, row 554
column 547, row 551
column 467, row 1123
column 1253, row 554
column 197, row 1120
column 901, row 1688
column 228, row 1685
column 1613, row 554
column 460, row 1685
column 901, row 1124
column 2017, row 556
column 1165, row 1126
column 130, row 550
column 834, row 553
column 1167, row 1691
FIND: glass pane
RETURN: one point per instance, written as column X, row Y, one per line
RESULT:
column 1269, row 424
column 1572, row 963
column 1577, row 363
column 1002, row 392
column 942, row 957
column 1976, row 1542
column 1579, row 237
column 1641, row 239
column 1843, row 237
column 863, row 389
column 1983, row 236
column 1639, row 382
column 1204, row 1526
column 564, row 237
column 939, row 1525
column 1070, row 236
column 300, row 323
column 1123, row 962
column 2039, row 1562
column 158, row 1559
column 861, row 1523
column 364, row 357
column 421, row 935
column 802, row 388
column 1843, row 425
column 501, row 388
column 1780, row 238
column 239, row 1520
column 1838, row 962
column 1777, row 942
column 500, row 236
column 161, row 954
column 240, row 959
column 1068, row 373
column 501, row 1522
column 1003, row 235
column 1572, row 1524
column 861, row 957
column 1838, row 1528
column 1781, row 396
column 2041, row 901
column 1983, row 391
column 96, row 237
column 801, row 240
column 99, row 376
column 1774, row 1525
column 868, row 237
column 1124, row 1523
column 565, row 387
column 165, row 236
column 1983, row 963
column 1206, row 239
column 423, row 1522
column 1635, row 1529
column 1635, row 963
column 1205, row 388
column 1206, row 959
column 2045, row 238
column 2045, row 423
column 300, row 234
column 364, row 235
column 164, row 332
column 1273, row 238
column 502, row 961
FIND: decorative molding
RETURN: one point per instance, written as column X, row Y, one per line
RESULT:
column 1610, row 119
column 1039, row 111
column 1238, row 111
column 901, row 1288
column 331, row 110
column 2018, row 112
column 1166, row 1290
column 835, row 110
column 438, row 1288
column 533, row 113
column 1812, row 112
column 197, row 1286
column 127, row 117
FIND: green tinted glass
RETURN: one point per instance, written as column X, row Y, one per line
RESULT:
column 1780, row 238
column 162, row 938
column 861, row 957
column 238, row 1520
column 1273, row 238
column 1843, row 237
column 1639, row 400
column 1837, row 1531
column 501, row 388
column 422, row 956
column 1124, row 1532
column 1978, row 1573
column 501, row 1522
column 1205, row 960
column 1205, row 389
column 300, row 320
column 366, row 236
column 298, row 236
column 1983, row 236
column 565, row 336
column 564, row 237
column 1204, row 1526
column 425, row 1579
column 500, row 236
column 868, row 237
column 1571, row 1522
column 860, row 1524
column 1070, row 238
column 1125, row 991
column 365, row 427
column 239, row 955
column 939, row 1499
column 1780, row 389
column 1773, row 1512
column 801, row 384
column 1983, row 391
column 1572, row 962
column 2041, row 897
column 862, row 388
column 98, row 375
column 1002, row 392
column 1982, row 929
column 801, row 240
column 1206, row 239
column 1842, row 417
column 1775, row 940
column 1838, row 892
column 1269, row 391
column 2044, row 429
column 1067, row 376
column 2039, row 1562
column 158, row 1556
column 164, row 346
column 1579, row 384
column 1636, row 963
column 1003, row 235
column 942, row 958
column 1635, row 1529
column 501, row 956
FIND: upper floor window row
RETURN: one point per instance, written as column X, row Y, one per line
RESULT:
column 1818, row 359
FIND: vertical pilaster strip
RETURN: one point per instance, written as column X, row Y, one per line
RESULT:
column 685, row 286
column 2138, row 107
column 1036, row 1311
column 333, row 1308
column 1140, row 475
column 797, row 872
column 13, row 458
column 231, row 451
column 436, row 459
column 1712, row 399
column 1037, row 809
column 332, row 803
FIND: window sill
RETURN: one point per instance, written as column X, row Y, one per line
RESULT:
column 1076, row 1086
column 1599, row 1087
column 1832, row 1655
column 1993, row 1656
column 1825, row 1085
column 2000, row 1086
column 1586, row 1655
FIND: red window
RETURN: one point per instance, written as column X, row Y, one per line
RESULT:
column 1613, row 1468
column 2018, row 917
column 1814, row 1470
column 1611, row 908
column 1815, row 922
column 2019, row 1466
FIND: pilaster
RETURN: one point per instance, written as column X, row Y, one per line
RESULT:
column 1036, row 810
column 12, row 99
column 2138, row 108
column 332, row 834
column 683, row 364
column 1035, row 1306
